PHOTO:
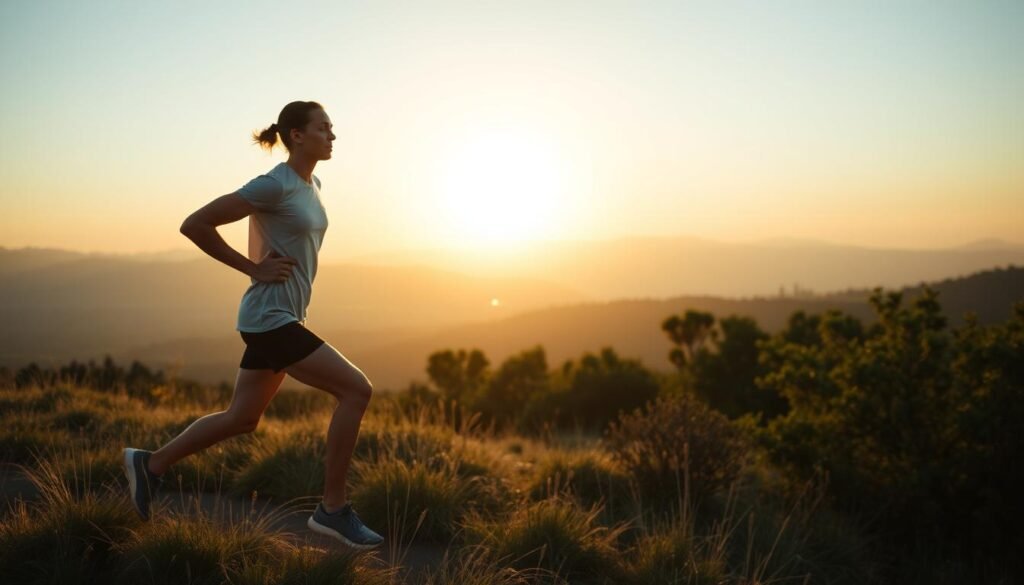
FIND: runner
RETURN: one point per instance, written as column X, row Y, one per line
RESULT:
column 287, row 222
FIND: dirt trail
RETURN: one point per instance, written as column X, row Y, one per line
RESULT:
column 289, row 520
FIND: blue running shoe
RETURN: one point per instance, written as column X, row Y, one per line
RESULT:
column 142, row 483
column 344, row 525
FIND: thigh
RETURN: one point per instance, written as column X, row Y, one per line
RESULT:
column 328, row 370
column 254, row 390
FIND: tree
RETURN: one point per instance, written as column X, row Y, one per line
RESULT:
column 724, row 378
column 601, row 386
column 919, row 425
column 520, row 378
column 459, row 375
column 689, row 333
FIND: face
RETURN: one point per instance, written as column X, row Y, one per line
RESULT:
column 315, row 141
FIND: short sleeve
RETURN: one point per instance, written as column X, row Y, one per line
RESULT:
column 263, row 192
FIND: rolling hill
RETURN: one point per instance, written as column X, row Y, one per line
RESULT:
column 174, row 308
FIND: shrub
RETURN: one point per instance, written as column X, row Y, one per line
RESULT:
column 415, row 501
column 589, row 477
column 71, row 543
column 673, row 557
column 285, row 465
column 673, row 439
column 474, row 565
column 404, row 441
column 68, row 535
column 602, row 386
column 291, row 404
column 556, row 535
column 311, row 567
column 198, row 551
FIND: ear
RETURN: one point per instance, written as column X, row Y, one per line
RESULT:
column 296, row 135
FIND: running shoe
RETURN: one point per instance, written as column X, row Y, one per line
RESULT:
column 344, row 525
column 142, row 483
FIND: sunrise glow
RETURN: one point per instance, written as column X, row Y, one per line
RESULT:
column 500, row 188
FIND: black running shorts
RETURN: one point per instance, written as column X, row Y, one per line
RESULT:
column 278, row 348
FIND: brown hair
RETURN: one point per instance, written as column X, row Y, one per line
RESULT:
column 293, row 116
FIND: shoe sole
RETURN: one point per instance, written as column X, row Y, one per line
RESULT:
column 328, row 531
column 129, row 471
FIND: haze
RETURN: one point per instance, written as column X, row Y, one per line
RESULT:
column 494, row 127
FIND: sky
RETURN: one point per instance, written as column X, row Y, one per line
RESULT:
column 490, row 125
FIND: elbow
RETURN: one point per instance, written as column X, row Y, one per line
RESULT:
column 185, row 228
column 188, row 226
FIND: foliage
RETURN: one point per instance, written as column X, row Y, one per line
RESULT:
column 458, row 374
column 719, row 362
column 675, row 440
column 601, row 386
column 724, row 378
column 516, row 382
column 689, row 333
column 917, row 425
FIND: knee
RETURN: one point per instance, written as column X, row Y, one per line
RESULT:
column 242, row 424
column 355, row 393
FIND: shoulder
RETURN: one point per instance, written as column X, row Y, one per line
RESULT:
column 279, row 173
column 264, row 191
column 263, row 182
column 286, row 177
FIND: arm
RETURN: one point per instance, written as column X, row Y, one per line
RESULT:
column 201, row 228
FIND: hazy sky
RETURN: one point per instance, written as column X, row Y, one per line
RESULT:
column 474, row 124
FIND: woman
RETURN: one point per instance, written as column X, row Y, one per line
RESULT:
column 287, row 222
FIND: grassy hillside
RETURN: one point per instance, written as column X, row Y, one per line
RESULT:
column 500, row 509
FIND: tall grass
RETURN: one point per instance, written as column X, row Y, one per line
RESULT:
column 500, row 509
column 554, row 535
column 75, row 533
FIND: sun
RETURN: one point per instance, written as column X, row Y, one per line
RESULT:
column 501, row 188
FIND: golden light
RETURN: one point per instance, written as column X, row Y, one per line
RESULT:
column 501, row 187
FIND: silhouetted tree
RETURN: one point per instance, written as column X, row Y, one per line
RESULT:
column 459, row 375
column 517, row 381
column 33, row 375
column 689, row 333
column 913, row 423
column 603, row 385
column 724, row 378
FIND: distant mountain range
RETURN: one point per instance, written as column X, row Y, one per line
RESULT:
column 660, row 267
column 173, row 310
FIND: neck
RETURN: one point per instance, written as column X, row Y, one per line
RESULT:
column 303, row 167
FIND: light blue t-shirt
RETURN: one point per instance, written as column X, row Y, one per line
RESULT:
column 291, row 220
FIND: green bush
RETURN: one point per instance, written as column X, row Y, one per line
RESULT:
column 676, row 440
column 914, row 422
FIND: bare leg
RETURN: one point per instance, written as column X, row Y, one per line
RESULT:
column 253, row 391
column 326, row 369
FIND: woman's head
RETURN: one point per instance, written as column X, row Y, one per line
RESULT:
column 302, row 126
